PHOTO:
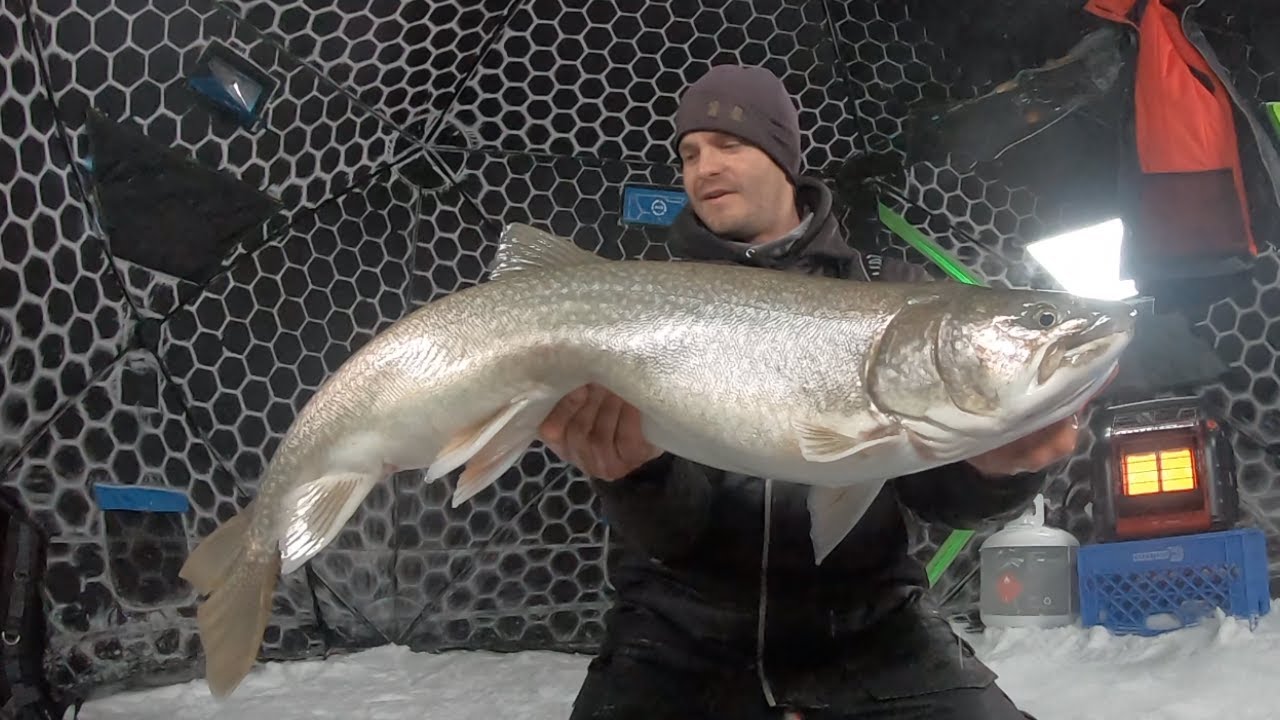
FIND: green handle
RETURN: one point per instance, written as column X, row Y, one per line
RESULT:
column 947, row 554
column 927, row 247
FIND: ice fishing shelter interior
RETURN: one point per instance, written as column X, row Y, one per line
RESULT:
column 208, row 205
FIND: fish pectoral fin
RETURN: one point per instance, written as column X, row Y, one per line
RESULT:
column 318, row 511
column 524, row 248
column 821, row 443
column 938, row 443
column 834, row 511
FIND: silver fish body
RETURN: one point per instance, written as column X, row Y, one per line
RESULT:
column 835, row 384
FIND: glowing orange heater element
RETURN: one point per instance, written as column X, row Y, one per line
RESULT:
column 1161, row 467
column 1148, row 473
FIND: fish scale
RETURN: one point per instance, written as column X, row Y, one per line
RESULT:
column 839, row 385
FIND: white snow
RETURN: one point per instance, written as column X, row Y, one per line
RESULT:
column 1221, row 668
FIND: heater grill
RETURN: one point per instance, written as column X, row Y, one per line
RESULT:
column 1147, row 473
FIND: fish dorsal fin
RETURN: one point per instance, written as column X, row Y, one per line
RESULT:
column 524, row 248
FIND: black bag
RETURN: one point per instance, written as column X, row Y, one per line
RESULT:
column 24, row 694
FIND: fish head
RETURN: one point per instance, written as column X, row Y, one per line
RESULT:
column 970, row 367
column 1027, row 358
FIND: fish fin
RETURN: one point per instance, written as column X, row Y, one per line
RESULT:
column 505, row 447
column 319, row 510
column 470, row 441
column 820, row 443
column 487, row 466
column 834, row 511
column 232, row 622
column 215, row 556
column 938, row 443
column 523, row 247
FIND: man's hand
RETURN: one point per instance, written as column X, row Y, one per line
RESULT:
column 1033, row 452
column 598, row 432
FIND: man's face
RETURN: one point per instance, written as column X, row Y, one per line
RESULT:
column 734, row 187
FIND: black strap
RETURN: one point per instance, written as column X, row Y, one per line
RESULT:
column 12, row 593
column 20, row 539
column 26, row 699
column 23, row 698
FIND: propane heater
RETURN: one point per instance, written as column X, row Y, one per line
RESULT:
column 1162, row 467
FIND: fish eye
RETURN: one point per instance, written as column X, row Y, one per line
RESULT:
column 1045, row 316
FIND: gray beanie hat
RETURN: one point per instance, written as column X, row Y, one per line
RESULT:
column 750, row 103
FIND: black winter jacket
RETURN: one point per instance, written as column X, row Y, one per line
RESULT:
column 693, row 552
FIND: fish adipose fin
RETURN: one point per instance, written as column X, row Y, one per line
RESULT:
column 834, row 511
column 819, row 443
column 523, row 247
column 319, row 511
column 490, row 448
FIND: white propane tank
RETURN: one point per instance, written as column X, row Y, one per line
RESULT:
column 1028, row 574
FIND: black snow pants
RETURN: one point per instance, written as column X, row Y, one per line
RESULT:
column 624, row 688
column 912, row 667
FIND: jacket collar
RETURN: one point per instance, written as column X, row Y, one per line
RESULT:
column 818, row 238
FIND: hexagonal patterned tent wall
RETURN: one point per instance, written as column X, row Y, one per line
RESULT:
column 402, row 136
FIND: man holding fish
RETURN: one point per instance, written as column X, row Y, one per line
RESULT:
column 721, row 609
column 737, row 596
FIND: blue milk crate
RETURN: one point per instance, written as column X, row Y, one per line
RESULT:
column 1147, row 587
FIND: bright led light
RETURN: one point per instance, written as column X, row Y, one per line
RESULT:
column 1086, row 262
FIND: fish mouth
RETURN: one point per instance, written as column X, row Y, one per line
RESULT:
column 1103, row 338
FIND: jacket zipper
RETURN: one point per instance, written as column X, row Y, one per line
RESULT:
column 764, row 594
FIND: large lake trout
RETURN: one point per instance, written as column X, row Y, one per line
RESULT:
column 836, row 384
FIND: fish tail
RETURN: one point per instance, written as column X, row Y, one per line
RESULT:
column 240, row 586
column 210, row 562
column 233, row 620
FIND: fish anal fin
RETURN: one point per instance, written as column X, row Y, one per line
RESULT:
column 524, row 248
column 834, row 511
column 212, row 560
column 822, row 443
column 318, row 511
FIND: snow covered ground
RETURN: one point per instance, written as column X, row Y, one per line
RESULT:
column 1218, row 669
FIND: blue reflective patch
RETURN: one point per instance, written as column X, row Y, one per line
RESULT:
column 217, row 90
column 650, row 205
column 224, row 80
column 138, row 497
